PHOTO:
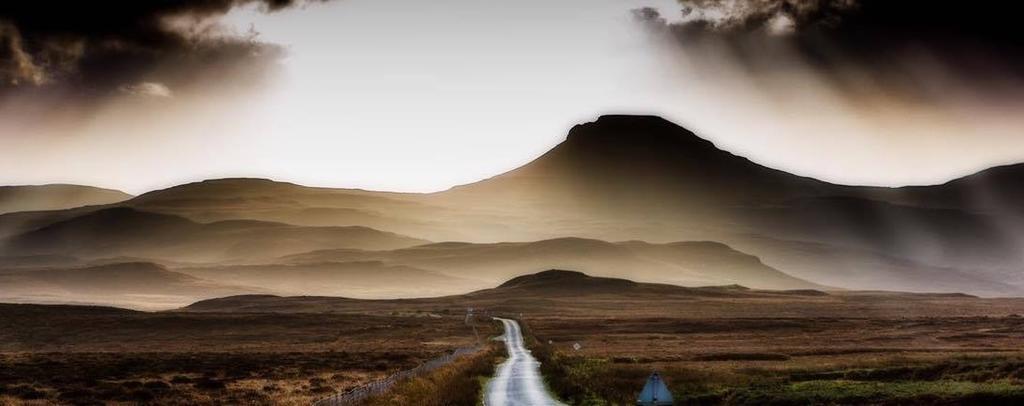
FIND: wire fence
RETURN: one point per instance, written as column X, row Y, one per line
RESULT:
column 380, row 386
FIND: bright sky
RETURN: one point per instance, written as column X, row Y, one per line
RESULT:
column 414, row 95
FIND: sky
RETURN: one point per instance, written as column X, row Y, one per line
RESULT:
column 418, row 96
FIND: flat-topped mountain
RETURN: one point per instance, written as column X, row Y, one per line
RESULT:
column 639, row 162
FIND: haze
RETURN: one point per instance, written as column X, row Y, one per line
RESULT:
column 412, row 96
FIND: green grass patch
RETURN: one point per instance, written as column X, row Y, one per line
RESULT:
column 873, row 392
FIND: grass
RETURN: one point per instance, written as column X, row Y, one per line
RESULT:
column 613, row 366
column 595, row 381
column 460, row 383
column 101, row 356
column 859, row 392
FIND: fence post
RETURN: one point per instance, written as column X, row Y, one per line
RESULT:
column 380, row 386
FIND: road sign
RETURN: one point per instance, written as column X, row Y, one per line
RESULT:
column 655, row 393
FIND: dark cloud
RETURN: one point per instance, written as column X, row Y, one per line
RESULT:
column 980, row 41
column 992, row 21
column 96, row 48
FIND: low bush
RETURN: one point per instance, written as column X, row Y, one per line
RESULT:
column 460, row 383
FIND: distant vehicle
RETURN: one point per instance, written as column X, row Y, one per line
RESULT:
column 655, row 393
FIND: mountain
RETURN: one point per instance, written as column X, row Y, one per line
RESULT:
column 128, row 232
column 266, row 200
column 692, row 263
column 553, row 292
column 136, row 284
column 642, row 177
column 357, row 279
column 55, row 197
column 637, row 162
column 619, row 178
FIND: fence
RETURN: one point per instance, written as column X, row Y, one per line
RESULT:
column 380, row 386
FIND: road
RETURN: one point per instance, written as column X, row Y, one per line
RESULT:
column 518, row 380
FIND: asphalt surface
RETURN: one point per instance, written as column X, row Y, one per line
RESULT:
column 518, row 380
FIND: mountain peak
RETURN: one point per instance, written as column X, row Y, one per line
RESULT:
column 625, row 130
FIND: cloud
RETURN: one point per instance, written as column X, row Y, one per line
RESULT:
column 95, row 50
column 150, row 89
column 895, row 44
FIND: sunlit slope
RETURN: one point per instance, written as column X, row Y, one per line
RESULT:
column 687, row 263
column 128, row 232
column 643, row 178
column 55, row 197
column 131, row 284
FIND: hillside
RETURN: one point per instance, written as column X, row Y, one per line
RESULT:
column 357, row 279
column 619, row 178
column 128, row 232
column 559, row 290
column 135, row 284
column 685, row 263
column 557, row 295
column 55, row 197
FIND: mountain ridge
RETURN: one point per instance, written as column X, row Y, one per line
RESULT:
column 56, row 196
column 645, row 178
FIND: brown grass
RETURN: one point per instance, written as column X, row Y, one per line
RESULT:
column 48, row 354
column 766, row 361
column 460, row 383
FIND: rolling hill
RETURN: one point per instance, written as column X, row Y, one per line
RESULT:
column 687, row 263
column 121, row 231
column 55, row 197
column 357, row 279
column 563, row 295
column 618, row 178
column 134, row 284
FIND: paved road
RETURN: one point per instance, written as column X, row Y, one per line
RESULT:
column 518, row 380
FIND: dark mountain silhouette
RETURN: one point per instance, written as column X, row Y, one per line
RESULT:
column 55, row 197
column 567, row 280
column 638, row 162
column 557, row 282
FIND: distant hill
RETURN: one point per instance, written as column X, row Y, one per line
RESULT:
column 551, row 293
column 128, row 232
column 55, row 197
column 357, row 279
column 568, row 282
column 567, row 288
column 556, row 295
column 618, row 178
column 574, row 283
column 687, row 263
column 135, row 284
